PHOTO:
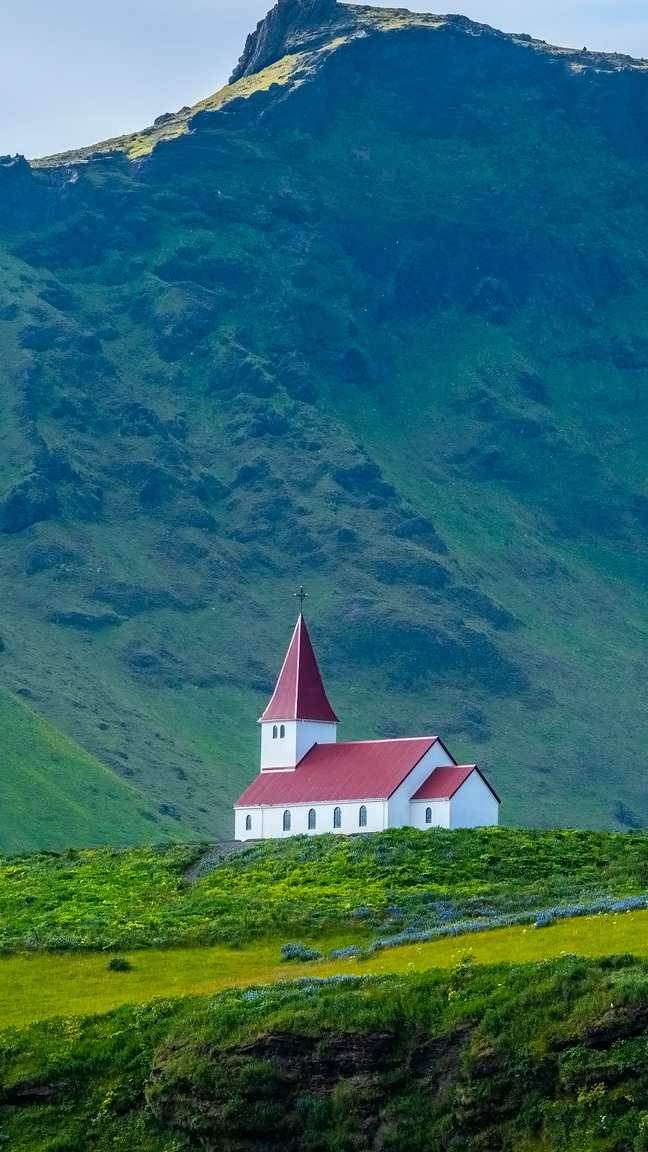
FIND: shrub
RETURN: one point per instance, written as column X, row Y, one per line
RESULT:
column 119, row 964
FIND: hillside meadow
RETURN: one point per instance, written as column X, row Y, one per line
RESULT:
column 42, row 987
column 54, row 793
column 148, row 999
column 378, row 886
column 548, row 1056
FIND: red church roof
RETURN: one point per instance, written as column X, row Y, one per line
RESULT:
column 365, row 770
column 444, row 782
column 299, row 694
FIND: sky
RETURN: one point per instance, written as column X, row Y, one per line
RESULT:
column 75, row 72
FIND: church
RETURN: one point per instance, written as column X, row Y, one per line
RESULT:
column 310, row 784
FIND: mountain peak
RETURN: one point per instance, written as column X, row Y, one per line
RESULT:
column 290, row 26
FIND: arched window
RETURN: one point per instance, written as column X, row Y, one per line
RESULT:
column 286, row 821
column 428, row 815
column 248, row 823
column 282, row 731
column 275, row 732
column 362, row 817
column 312, row 819
column 337, row 817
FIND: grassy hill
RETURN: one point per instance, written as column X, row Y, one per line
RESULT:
column 386, row 886
column 410, row 1048
column 372, row 319
column 542, row 1056
column 55, row 795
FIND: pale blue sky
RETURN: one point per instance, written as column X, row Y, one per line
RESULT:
column 78, row 71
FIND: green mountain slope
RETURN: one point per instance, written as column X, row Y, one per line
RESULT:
column 372, row 319
column 54, row 795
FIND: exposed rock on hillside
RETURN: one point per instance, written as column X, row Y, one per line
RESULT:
column 33, row 500
column 290, row 26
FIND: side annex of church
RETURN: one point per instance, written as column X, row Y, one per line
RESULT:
column 311, row 784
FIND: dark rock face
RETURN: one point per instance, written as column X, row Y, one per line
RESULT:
column 289, row 24
column 19, row 192
column 35, row 499
column 186, row 314
column 283, row 1062
column 86, row 621
column 51, row 557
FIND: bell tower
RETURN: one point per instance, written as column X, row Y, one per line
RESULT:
column 299, row 714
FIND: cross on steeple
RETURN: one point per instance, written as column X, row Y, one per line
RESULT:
column 301, row 596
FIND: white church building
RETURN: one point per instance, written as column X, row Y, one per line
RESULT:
column 309, row 783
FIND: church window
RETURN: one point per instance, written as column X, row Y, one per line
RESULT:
column 282, row 731
column 248, row 823
column 312, row 818
column 275, row 732
column 337, row 817
column 286, row 821
column 362, row 816
column 428, row 815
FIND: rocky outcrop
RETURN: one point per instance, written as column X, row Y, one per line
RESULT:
column 23, row 198
column 290, row 26
column 33, row 500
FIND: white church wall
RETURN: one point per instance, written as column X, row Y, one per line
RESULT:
column 240, row 819
column 310, row 732
column 473, row 805
column 300, row 735
column 440, row 813
column 267, row 823
column 399, row 803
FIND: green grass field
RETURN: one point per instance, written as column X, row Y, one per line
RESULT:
column 55, row 795
column 402, row 880
column 549, row 1056
column 43, row 986
column 539, row 1033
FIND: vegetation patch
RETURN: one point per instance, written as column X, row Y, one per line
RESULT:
column 396, row 886
column 119, row 964
column 550, row 1055
column 39, row 987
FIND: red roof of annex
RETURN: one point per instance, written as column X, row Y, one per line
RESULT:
column 446, row 780
column 299, row 694
column 328, row 773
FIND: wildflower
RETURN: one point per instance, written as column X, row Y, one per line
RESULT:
column 298, row 952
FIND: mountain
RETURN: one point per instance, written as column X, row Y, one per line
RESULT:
column 56, row 796
column 372, row 319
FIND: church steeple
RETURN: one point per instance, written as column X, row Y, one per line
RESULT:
column 300, row 694
column 299, row 714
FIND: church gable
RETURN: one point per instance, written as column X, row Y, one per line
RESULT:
column 444, row 782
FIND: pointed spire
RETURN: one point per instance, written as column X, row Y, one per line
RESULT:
column 299, row 694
